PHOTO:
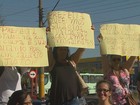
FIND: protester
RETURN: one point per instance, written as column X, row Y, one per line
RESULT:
column 65, row 88
column 117, row 72
column 104, row 91
column 119, row 76
column 20, row 97
column 10, row 81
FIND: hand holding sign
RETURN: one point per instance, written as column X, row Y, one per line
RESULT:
column 70, row 29
column 120, row 39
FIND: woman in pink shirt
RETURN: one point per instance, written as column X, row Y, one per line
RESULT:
column 118, row 75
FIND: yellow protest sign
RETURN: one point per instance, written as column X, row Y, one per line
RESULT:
column 70, row 29
column 120, row 39
column 22, row 46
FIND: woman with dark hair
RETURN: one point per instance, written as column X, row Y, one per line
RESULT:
column 104, row 92
column 65, row 87
column 20, row 97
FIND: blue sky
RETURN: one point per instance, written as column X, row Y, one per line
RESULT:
column 25, row 13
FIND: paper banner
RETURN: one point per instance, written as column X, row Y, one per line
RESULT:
column 22, row 46
column 71, row 29
column 120, row 39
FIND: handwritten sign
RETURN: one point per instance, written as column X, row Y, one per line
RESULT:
column 121, row 39
column 70, row 29
column 22, row 46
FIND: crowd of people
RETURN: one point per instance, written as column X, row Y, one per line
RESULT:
column 65, row 87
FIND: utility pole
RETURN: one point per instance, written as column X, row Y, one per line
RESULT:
column 40, row 14
column 41, row 71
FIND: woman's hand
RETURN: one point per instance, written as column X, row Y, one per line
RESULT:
column 92, row 27
column 48, row 29
column 100, row 37
column 49, row 48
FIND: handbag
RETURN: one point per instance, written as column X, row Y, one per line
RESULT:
column 130, row 100
column 83, row 85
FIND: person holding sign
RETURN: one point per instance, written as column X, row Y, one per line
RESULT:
column 65, row 88
column 118, row 75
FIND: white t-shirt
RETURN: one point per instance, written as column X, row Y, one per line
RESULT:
column 10, row 81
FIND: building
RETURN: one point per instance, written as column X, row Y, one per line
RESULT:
column 90, row 65
column 94, row 65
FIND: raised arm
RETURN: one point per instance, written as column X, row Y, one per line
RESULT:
column 105, row 61
column 51, row 59
column 105, row 64
column 129, row 63
column 77, row 55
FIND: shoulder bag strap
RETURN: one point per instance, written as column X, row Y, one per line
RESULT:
column 72, row 63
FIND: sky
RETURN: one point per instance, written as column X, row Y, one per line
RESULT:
column 24, row 13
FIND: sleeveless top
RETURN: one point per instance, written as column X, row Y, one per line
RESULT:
column 119, row 91
column 10, row 81
column 65, row 85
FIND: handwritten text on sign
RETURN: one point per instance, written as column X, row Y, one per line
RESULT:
column 20, row 46
column 70, row 29
column 120, row 39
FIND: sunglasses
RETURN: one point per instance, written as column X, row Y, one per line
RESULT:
column 116, row 59
column 103, row 90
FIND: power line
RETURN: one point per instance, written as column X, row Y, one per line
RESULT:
column 112, row 10
column 72, row 3
column 80, row 4
column 55, row 5
column 101, row 10
column 117, row 19
column 89, row 5
column 111, row 4
column 67, row 4
column 52, row 10
column 20, row 12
